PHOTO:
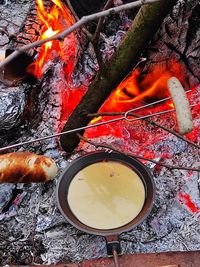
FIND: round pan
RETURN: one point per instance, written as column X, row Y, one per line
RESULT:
column 82, row 162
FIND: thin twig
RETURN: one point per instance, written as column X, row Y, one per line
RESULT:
column 169, row 166
column 72, row 10
column 82, row 21
column 149, row 121
column 96, row 35
column 116, row 258
column 84, row 29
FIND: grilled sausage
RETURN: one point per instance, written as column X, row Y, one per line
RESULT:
column 26, row 167
column 181, row 104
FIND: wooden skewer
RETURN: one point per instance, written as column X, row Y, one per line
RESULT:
column 115, row 257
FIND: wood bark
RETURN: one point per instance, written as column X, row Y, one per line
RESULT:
column 143, row 28
column 29, row 32
column 178, row 39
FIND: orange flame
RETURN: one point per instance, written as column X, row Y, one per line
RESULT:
column 95, row 120
column 138, row 88
column 53, row 24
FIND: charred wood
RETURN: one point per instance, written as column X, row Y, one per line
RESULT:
column 144, row 26
column 178, row 39
column 29, row 32
column 21, row 108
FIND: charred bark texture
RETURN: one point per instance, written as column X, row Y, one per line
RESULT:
column 179, row 39
column 29, row 32
column 144, row 26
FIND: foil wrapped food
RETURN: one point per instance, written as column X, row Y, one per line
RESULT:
column 12, row 104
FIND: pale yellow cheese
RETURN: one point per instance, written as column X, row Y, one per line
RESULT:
column 106, row 195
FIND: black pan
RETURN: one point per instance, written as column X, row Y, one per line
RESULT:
column 94, row 157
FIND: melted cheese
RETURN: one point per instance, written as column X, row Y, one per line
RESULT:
column 106, row 195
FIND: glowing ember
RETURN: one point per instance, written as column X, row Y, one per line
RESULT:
column 95, row 119
column 186, row 200
column 58, row 18
column 138, row 89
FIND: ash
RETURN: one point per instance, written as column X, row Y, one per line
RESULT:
column 33, row 231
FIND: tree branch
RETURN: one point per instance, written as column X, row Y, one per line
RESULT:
column 147, row 120
column 143, row 28
column 96, row 35
column 72, row 10
column 75, row 26
column 169, row 166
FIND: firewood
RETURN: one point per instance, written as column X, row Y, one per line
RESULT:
column 29, row 32
column 144, row 26
column 181, row 104
column 26, row 167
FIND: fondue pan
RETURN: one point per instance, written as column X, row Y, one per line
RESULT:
column 94, row 157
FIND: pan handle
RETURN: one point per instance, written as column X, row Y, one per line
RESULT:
column 113, row 248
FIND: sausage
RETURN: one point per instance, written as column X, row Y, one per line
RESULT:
column 26, row 167
column 181, row 104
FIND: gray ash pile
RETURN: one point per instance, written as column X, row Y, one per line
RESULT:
column 32, row 230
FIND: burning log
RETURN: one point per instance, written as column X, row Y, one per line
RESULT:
column 183, row 112
column 25, row 167
column 144, row 26
column 23, row 105
column 178, row 39
column 29, row 32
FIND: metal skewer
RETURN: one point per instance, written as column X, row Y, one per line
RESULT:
column 125, row 117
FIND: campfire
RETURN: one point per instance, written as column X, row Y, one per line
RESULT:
column 39, row 99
